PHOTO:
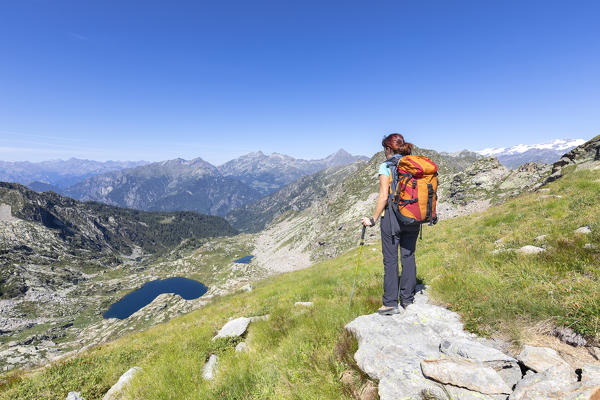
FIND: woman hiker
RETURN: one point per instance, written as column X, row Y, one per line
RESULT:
column 394, row 148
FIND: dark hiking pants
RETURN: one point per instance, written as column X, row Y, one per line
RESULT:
column 407, row 240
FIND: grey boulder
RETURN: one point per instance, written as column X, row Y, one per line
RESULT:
column 241, row 347
column 233, row 328
column 540, row 359
column 584, row 230
column 531, row 250
column 116, row 390
column 208, row 371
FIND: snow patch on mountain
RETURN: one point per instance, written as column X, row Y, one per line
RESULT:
column 557, row 145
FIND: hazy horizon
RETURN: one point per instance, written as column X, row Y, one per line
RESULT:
column 278, row 152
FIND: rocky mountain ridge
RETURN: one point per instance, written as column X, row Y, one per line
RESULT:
column 268, row 173
column 197, row 185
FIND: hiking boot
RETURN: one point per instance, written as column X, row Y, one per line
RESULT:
column 404, row 305
column 385, row 310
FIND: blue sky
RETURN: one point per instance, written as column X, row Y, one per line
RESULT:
column 157, row 80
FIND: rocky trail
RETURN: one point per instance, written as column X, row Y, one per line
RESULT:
column 425, row 353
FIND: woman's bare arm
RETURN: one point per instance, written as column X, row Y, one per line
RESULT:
column 384, row 183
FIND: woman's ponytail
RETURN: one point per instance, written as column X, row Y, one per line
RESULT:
column 396, row 143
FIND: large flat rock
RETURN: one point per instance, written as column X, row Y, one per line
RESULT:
column 391, row 348
column 234, row 328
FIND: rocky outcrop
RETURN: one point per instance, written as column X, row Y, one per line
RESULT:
column 424, row 353
column 488, row 179
column 585, row 156
column 395, row 349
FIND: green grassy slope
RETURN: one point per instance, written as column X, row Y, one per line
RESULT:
column 300, row 354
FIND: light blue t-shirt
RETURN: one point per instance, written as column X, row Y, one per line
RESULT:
column 384, row 169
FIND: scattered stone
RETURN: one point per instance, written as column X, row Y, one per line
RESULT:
column 208, row 371
column 241, row 347
column 233, row 328
column 589, row 246
column 304, row 303
column 348, row 377
column 540, row 359
column 259, row 318
column 568, row 336
column 531, row 250
column 74, row 396
column 584, row 230
column 550, row 196
column 466, row 374
column 501, row 250
column 115, row 391
column 369, row 392
column 247, row 288
column 540, row 238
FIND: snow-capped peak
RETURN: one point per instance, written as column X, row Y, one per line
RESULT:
column 557, row 145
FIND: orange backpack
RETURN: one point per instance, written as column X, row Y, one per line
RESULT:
column 413, row 190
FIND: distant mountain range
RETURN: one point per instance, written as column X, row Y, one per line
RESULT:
column 269, row 173
column 196, row 185
column 547, row 153
column 59, row 173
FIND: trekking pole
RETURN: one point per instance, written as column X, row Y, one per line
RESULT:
column 362, row 242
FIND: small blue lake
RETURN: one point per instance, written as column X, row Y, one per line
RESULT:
column 244, row 260
column 130, row 303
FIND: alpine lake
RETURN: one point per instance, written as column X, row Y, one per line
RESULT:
column 188, row 289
